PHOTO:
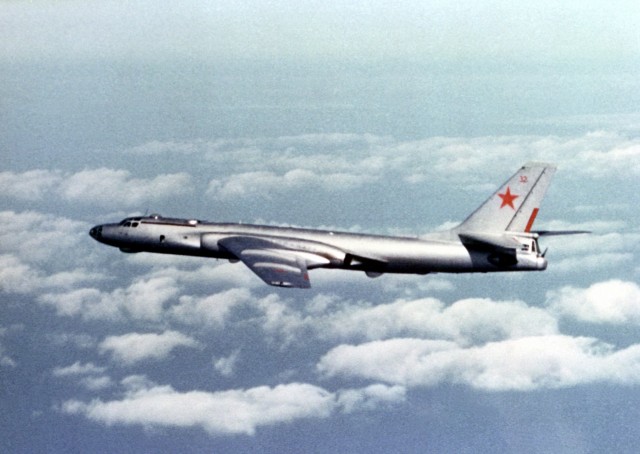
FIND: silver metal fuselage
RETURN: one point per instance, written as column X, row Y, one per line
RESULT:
column 374, row 254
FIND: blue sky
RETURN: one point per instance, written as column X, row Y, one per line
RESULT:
column 372, row 117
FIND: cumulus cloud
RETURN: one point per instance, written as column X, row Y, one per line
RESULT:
column 590, row 262
column 230, row 412
column 118, row 187
column 78, row 368
column 226, row 365
column 523, row 364
column 135, row 347
column 88, row 375
column 19, row 277
column 580, row 253
column 38, row 238
column 209, row 310
column 612, row 302
column 466, row 321
column 144, row 299
column 265, row 183
column 370, row 397
column 339, row 161
column 347, row 161
column 96, row 383
column 104, row 186
column 30, row 185
column 222, row 412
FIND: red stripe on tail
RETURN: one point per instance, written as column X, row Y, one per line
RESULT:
column 534, row 213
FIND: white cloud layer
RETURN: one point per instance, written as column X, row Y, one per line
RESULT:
column 144, row 299
column 132, row 348
column 229, row 412
column 612, row 302
column 466, row 321
column 224, row 412
column 523, row 364
column 347, row 161
column 339, row 162
column 102, row 186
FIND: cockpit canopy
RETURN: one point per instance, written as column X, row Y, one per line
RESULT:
column 130, row 222
column 157, row 219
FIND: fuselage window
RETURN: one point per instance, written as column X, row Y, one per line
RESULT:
column 134, row 224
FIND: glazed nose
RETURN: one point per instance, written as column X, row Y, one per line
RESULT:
column 96, row 232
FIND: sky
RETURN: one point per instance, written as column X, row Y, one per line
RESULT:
column 367, row 117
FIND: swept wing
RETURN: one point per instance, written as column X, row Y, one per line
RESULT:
column 273, row 263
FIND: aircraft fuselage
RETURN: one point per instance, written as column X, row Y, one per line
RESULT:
column 374, row 254
column 497, row 236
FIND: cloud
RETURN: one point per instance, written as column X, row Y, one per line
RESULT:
column 222, row 412
column 590, row 262
column 88, row 375
column 144, row 299
column 118, row 188
column 348, row 161
column 96, row 383
column 107, row 187
column 135, row 347
column 43, row 239
column 209, row 310
column 5, row 359
column 580, row 253
column 77, row 340
column 523, row 364
column 229, row 412
column 466, row 321
column 266, row 183
column 17, row 277
column 613, row 302
column 225, row 366
column 371, row 397
column 30, row 185
column 78, row 368
column 339, row 162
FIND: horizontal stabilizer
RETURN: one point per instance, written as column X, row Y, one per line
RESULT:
column 560, row 232
column 488, row 241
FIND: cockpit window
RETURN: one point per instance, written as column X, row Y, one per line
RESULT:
column 128, row 222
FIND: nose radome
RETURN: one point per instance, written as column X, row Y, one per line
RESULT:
column 95, row 232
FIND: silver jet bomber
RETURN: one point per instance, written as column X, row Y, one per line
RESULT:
column 495, row 237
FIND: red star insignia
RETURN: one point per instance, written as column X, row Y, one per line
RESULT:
column 508, row 198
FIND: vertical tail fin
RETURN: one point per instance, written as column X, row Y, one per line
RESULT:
column 515, row 205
